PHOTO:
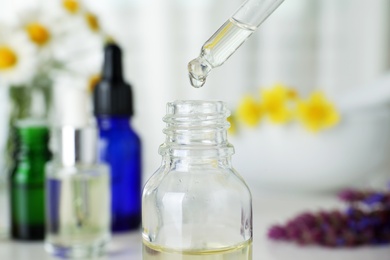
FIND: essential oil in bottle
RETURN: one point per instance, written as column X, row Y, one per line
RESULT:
column 241, row 251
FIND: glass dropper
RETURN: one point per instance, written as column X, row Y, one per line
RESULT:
column 229, row 37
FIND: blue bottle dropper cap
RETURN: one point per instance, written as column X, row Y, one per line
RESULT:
column 112, row 95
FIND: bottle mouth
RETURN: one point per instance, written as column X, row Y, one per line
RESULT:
column 195, row 113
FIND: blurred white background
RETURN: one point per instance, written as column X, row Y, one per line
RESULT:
column 334, row 45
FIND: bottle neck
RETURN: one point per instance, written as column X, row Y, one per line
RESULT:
column 193, row 163
column 32, row 142
column 202, row 143
column 111, row 123
column 76, row 146
column 196, row 131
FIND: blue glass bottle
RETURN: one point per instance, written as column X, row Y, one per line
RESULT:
column 119, row 145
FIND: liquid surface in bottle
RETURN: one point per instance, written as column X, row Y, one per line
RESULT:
column 79, row 210
column 238, row 252
column 218, row 49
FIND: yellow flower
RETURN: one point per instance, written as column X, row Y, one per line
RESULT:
column 17, row 58
column 72, row 6
column 317, row 113
column 249, row 111
column 233, row 126
column 8, row 58
column 92, row 82
column 292, row 94
column 38, row 33
column 92, row 21
column 277, row 103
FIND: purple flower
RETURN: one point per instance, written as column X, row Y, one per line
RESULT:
column 277, row 233
column 366, row 221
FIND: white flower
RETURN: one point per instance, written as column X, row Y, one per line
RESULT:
column 64, row 34
column 40, row 27
column 17, row 59
column 80, row 49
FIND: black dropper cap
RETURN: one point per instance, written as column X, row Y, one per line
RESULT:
column 112, row 96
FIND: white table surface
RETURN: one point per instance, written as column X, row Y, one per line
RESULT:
column 267, row 209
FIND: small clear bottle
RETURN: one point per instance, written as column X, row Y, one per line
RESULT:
column 77, row 188
column 77, row 198
column 196, row 206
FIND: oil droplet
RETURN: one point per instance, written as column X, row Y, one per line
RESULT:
column 196, row 83
column 198, row 70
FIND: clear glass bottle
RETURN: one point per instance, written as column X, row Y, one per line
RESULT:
column 77, row 196
column 196, row 206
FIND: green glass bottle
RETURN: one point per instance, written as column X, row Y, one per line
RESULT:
column 27, row 184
